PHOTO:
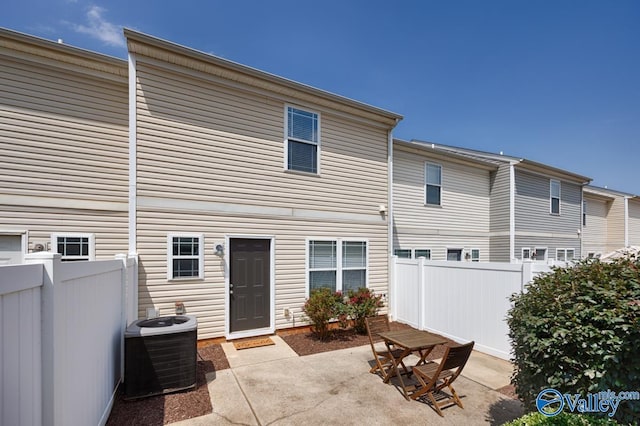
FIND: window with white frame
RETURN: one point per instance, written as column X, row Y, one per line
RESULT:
column 454, row 254
column 475, row 255
column 433, row 184
column 426, row 253
column 526, row 253
column 74, row 247
column 539, row 254
column 303, row 140
column 402, row 253
column 340, row 265
column 584, row 213
column 185, row 256
column 554, row 192
column 565, row 254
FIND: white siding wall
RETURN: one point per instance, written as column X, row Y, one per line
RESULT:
column 462, row 221
column 615, row 225
column 535, row 225
column 63, row 144
column 634, row 222
column 210, row 160
column 594, row 233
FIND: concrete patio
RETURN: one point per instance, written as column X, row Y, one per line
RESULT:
column 273, row 385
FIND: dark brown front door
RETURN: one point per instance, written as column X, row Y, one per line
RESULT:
column 249, row 284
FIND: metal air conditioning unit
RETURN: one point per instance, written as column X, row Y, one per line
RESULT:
column 160, row 356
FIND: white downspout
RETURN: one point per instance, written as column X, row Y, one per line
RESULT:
column 133, row 191
column 391, row 271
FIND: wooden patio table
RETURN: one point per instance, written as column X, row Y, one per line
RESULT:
column 410, row 340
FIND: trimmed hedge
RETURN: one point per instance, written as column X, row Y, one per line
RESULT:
column 577, row 330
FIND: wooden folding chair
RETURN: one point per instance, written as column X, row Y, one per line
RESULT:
column 383, row 357
column 433, row 377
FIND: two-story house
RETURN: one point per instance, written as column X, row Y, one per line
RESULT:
column 441, row 203
column 516, row 208
column 248, row 190
column 63, row 150
column 611, row 221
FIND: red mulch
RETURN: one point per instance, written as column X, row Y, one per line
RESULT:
column 307, row 343
column 164, row 409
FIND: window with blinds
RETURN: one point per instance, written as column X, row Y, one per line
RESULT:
column 303, row 140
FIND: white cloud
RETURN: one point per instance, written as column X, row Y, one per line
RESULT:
column 101, row 29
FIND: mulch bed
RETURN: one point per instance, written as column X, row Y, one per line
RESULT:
column 307, row 343
column 164, row 409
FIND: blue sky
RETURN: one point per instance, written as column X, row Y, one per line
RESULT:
column 553, row 81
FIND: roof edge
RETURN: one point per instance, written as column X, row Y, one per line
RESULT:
column 66, row 48
column 429, row 147
column 256, row 73
column 517, row 161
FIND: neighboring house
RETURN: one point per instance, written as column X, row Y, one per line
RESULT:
column 611, row 221
column 249, row 190
column 63, row 150
column 441, row 203
column 534, row 210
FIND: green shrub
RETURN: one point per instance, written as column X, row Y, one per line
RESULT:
column 362, row 303
column 322, row 306
column 562, row 419
column 577, row 330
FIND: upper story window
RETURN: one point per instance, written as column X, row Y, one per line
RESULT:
column 584, row 213
column 433, row 184
column 185, row 256
column 74, row 247
column 303, row 140
column 554, row 192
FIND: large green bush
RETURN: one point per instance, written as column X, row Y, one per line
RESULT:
column 577, row 330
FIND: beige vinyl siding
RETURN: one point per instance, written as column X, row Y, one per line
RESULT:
column 616, row 225
column 206, row 298
column 462, row 220
column 210, row 160
column 63, row 143
column 232, row 143
column 500, row 207
column 634, row 222
column 109, row 228
column 594, row 234
column 63, row 134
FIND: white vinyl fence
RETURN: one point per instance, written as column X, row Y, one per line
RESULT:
column 463, row 301
column 61, row 339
